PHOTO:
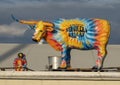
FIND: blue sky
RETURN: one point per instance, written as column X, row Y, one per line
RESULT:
column 49, row 10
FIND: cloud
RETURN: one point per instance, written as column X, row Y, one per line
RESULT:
column 49, row 10
column 15, row 33
column 13, row 29
column 83, row 3
column 6, row 1
column 115, row 33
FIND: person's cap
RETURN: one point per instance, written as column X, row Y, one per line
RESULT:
column 20, row 54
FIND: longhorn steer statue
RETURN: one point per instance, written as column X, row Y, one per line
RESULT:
column 80, row 33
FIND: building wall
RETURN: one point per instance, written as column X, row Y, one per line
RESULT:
column 37, row 56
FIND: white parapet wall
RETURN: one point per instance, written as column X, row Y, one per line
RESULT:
column 59, row 78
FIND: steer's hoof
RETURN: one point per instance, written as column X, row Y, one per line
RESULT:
column 62, row 67
column 96, row 69
column 63, row 64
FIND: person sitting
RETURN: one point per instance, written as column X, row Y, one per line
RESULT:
column 20, row 63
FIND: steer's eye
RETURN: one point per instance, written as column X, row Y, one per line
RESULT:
column 41, row 31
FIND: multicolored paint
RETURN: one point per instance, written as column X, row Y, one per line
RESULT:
column 66, row 34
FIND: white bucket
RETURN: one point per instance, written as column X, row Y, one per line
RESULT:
column 54, row 61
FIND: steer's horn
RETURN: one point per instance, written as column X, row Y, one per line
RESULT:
column 15, row 19
column 30, row 22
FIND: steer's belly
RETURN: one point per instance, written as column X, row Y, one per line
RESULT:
column 74, row 43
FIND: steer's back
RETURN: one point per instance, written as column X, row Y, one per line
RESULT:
column 83, row 33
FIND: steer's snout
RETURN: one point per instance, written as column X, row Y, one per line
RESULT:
column 34, row 40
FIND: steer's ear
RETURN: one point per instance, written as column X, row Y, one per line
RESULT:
column 49, row 29
column 49, row 26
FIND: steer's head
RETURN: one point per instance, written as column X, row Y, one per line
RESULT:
column 41, row 29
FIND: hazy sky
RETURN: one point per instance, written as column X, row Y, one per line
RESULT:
column 12, row 32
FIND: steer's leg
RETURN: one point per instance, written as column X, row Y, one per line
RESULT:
column 101, row 55
column 65, row 63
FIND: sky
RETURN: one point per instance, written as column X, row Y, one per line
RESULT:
column 49, row 10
